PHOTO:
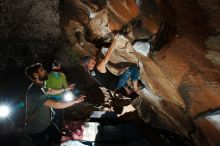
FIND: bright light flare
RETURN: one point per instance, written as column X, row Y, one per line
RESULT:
column 68, row 96
column 4, row 111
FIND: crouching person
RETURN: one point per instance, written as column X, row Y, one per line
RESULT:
column 38, row 108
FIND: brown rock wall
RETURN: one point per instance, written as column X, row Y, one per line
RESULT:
column 181, row 78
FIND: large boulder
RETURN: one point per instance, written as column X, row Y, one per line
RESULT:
column 181, row 72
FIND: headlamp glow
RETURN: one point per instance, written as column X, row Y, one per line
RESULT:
column 68, row 96
column 4, row 111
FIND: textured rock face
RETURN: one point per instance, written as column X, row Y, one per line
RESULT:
column 182, row 76
column 28, row 28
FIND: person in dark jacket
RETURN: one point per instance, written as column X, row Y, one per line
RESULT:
column 38, row 107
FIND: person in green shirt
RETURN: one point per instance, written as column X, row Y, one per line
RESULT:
column 57, row 80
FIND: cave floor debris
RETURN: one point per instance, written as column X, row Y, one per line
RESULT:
column 105, row 128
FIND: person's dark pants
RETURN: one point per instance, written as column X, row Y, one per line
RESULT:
column 49, row 137
column 58, row 119
column 58, row 113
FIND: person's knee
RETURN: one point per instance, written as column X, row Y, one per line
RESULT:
column 134, row 68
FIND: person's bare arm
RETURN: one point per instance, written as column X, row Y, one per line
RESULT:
column 101, row 67
column 51, row 91
column 62, row 105
column 55, row 91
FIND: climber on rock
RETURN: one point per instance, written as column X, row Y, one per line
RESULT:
column 104, row 77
